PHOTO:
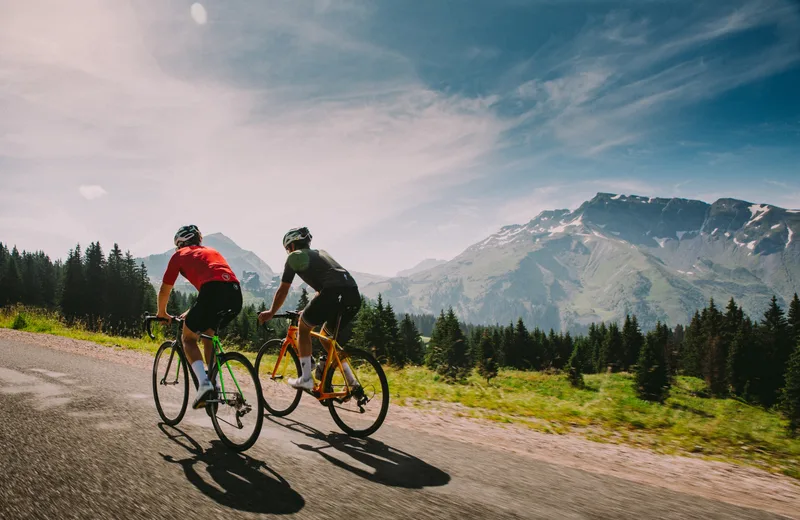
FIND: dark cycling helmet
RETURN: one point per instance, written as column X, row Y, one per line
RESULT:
column 187, row 236
column 296, row 235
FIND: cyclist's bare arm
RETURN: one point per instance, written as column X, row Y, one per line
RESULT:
column 277, row 302
column 163, row 298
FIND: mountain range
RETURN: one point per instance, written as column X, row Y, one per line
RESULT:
column 659, row 258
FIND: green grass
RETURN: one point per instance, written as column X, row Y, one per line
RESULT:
column 606, row 410
column 49, row 323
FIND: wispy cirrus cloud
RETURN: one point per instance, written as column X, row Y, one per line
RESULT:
column 603, row 90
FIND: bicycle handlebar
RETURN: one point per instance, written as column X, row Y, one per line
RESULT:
column 289, row 315
column 150, row 319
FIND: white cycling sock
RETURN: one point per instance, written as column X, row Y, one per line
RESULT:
column 200, row 371
column 305, row 364
column 351, row 379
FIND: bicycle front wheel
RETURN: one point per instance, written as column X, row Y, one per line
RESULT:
column 362, row 411
column 170, row 383
column 237, row 409
column 279, row 398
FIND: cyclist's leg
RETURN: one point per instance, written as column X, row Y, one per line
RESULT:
column 226, row 306
column 350, row 305
column 313, row 315
column 190, row 345
column 201, row 317
column 347, row 308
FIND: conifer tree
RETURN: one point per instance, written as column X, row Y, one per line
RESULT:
column 652, row 376
column 794, row 318
column 303, row 301
column 393, row 346
column 790, row 395
column 693, row 348
column 94, row 288
column 72, row 296
column 520, row 346
column 741, row 356
column 575, row 367
column 31, row 281
column 508, row 344
column 632, row 339
column 411, row 341
column 11, row 286
column 448, row 351
column 611, row 349
column 776, row 346
column 487, row 359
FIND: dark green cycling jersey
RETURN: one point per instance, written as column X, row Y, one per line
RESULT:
column 316, row 268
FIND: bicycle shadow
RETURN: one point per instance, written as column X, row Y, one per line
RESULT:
column 240, row 482
column 392, row 467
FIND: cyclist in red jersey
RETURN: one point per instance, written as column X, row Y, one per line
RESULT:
column 219, row 295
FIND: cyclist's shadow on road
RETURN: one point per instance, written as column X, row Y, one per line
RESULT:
column 246, row 484
column 391, row 466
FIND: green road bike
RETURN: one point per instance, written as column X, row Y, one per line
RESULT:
column 236, row 408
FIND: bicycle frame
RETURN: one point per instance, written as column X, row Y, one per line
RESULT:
column 330, row 345
column 217, row 352
column 215, row 341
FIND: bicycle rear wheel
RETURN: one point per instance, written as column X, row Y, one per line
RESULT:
column 279, row 398
column 237, row 409
column 363, row 410
column 170, row 383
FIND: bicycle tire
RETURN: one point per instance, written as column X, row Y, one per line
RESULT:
column 259, row 403
column 170, row 347
column 273, row 410
column 353, row 432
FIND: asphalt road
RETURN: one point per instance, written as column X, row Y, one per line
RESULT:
column 80, row 438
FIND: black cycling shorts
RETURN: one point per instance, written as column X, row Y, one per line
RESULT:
column 217, row 305
column 325, row 308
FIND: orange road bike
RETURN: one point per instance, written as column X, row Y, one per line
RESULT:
column 349, row 381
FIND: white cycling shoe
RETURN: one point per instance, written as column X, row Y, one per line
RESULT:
column 204, row 391
column 301, row 383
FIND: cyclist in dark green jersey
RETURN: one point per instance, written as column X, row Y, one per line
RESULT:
column 337, row 294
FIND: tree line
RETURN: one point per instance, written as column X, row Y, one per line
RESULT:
column 108, row 294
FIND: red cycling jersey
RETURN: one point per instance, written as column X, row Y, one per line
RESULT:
column 199, row 265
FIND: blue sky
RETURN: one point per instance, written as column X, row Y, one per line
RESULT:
column 395, row 130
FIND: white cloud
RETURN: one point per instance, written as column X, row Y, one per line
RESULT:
column 91, row 192
column 130, row 97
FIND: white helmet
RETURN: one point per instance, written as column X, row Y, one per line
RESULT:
column 295, row 235
column 187, row 235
